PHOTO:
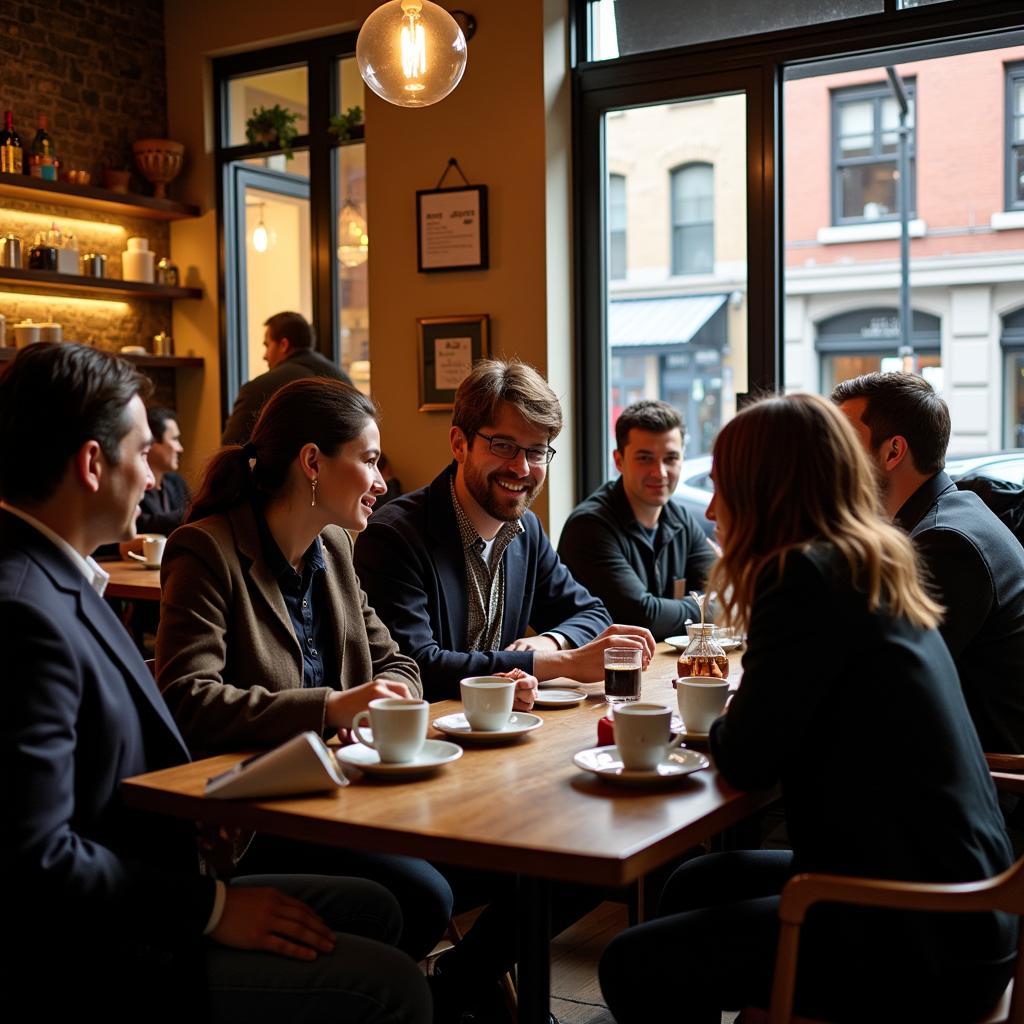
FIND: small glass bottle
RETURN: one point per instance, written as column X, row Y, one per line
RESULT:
column 703, row 655
column 12, row 152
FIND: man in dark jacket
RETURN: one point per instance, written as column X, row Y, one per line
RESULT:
column 164, row 505
column 975, row 564
column 288, row 350
column 629, row 543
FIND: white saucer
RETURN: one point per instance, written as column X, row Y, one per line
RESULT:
column 605, row 761
column 142, row 560
column 557, row 697
column 680, row 643
column 434, row 754
column 519, row 724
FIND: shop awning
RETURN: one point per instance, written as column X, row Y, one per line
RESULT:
column 673, row 320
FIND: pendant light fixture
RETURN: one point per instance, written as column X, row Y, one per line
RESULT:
column 353, row 242
column 260, row 236
column 411, row 52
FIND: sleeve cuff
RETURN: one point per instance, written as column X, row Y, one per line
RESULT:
column 563, row 643
column 220, row 896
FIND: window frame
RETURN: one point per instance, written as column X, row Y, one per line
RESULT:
column 675, row 174
column 875, row 92
column 1014, row 75
column 319, row 56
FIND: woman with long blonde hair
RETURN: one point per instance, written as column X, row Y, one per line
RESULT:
column 850, row 703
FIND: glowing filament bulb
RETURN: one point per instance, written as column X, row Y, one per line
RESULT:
column 260, row 241
column 414, row 50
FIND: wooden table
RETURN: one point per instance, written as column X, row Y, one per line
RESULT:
column 132, row 581
column 523, row 808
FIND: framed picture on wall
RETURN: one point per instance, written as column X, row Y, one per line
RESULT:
column 448, row 346
column 451, row 228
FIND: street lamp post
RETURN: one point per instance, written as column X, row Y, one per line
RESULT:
column 899, row 93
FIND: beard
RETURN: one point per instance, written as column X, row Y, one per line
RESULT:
column 499, row 504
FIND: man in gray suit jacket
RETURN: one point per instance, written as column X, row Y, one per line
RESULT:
column 976, row 566
column 288, row 350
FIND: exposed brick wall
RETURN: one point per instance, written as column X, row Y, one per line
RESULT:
column 95, row 68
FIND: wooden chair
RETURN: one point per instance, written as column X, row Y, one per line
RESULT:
column 1003, row 892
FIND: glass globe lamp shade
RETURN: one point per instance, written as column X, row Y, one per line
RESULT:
column 260, row 238
column 411, row 53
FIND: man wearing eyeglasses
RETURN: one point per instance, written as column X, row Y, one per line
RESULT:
column 460, row 571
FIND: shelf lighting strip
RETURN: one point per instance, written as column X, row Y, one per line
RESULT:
column 63, row 302
column 44, row 220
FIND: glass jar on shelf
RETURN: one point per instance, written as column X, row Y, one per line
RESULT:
column 703, row 656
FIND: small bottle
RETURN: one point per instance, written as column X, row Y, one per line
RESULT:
column 43, row 162
column 12, row 153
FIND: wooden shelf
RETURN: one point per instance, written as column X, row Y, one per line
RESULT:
column 49, row 281
column 155, row 362
column 89, row 197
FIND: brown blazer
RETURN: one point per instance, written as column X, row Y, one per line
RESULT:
column 227, row 659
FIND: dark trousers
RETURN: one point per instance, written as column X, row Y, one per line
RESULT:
column 421, row 890
column 713, row 950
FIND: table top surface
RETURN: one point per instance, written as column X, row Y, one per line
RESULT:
column 132, row 580
column 522, row 807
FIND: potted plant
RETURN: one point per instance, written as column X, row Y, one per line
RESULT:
column 273, row 127
column 348, row 125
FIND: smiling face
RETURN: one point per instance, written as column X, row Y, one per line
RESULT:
column 650, row 464
column 349, row 481
column 502, row 488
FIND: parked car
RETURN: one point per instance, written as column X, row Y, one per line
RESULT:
column 1005, row 465
column 695, row 488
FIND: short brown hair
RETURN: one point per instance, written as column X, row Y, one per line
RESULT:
column 293, row 326
column 494, row 381
column 656, row 417
column 905, row 404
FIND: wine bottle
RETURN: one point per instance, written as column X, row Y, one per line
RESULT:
column 11, row 151
column 42, row 162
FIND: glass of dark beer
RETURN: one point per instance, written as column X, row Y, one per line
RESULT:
column 622, row 671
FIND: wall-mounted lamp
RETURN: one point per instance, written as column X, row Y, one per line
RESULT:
column 353, row 241
column 412, row 52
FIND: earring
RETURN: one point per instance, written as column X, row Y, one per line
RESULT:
column 312, row 504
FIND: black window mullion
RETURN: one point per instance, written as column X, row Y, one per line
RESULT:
column 321, row 203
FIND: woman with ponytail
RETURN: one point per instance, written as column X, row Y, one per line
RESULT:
column 264, row 630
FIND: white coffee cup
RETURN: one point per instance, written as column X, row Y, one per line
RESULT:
column 701, row 700
column 487, row 701
column 707, row 629
column 153, row 547
column 399, row 728
column 643, row 735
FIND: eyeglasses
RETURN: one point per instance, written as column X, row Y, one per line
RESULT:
column 509, row 450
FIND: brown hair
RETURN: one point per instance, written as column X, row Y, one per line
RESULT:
column 293, row 326
column 790, row 471
column 494, row 381
column 904, row 404
column 656, row 417
column 317, row 410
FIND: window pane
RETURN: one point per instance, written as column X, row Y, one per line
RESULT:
column 869, row 191
column 856, row 117
column 351, row 88
column 297, row 166
column 616, row 226
column 620, row 27
column 1018, row 93
column 286, row 88
column 353, row 250
column 669, row 338
column 1018, row 173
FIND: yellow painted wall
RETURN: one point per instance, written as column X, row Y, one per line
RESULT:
column 494, row 123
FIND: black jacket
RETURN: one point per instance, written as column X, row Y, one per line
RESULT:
column 115, row 894
column 306, row 362
column 977, row 567
column 411, row 563
column 859, row 716
column 163, row 509
column 605, row 548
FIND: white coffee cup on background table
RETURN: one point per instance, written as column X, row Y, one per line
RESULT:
column 487, row 701
column 701, row 700
column 399, row 727
column 153, row 547
column 643, row 735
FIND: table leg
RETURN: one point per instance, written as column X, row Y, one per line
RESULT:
column 534, row 950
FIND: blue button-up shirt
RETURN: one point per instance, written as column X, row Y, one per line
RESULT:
column 305, row 597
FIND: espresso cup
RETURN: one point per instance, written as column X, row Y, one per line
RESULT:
column 153, row 547
column 701, row 700
column 643, row 735
column 399, row 728
column 487, row 701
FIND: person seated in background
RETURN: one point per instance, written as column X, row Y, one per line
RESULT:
column 264, row 632
column 628, row 543
column 289, row 354
column 460, row 570
column 111, row 895
column 849, row 702
column 164, row 505
column 973, row 561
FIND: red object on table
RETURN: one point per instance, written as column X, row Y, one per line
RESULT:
column 605, row 731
